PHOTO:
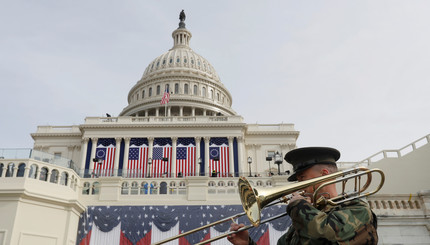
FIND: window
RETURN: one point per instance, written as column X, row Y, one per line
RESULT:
column 10, row 169
column 217, row 96
column 150, row 92
column 43, row 174
column 176, row 88
column 211, row 94
column 21, row 170
column 63, row 178
column 185, row 88
column 143, row 94
column 54, row 176
column 158, row 90
column 195, row 89
column 57, row 155
column 204, row 92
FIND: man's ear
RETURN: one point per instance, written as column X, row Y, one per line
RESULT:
column 325, row 171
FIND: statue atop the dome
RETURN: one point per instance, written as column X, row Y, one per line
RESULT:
column 182, row 16
column 182, row 19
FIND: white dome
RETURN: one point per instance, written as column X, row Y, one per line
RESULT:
column 194, row 86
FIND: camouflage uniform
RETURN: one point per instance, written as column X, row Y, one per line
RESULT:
column 349, row 223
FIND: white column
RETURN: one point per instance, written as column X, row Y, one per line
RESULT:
column 84, row 149
column 240, row 153
column 93, row 154
column 126, row 150
column 173, row 160
column 157, row 112
column 197, row 140
column 146, row 113
column 181, row 111
column 231, row 157
column 117, row 153
column 204, row 112
column 193, row 111
column 169, row 111
column 207, row 140
column 151, row 147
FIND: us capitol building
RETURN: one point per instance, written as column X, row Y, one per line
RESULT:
column 177, row 143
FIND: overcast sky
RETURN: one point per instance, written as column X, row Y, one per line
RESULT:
column 353, row 75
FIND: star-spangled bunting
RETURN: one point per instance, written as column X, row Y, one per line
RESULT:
column 105, row 152
column 186, row 157
column 161, row 157
column 219, row 155
column 137, row 223
column 138, row 158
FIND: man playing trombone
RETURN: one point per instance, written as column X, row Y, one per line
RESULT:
column 351, row 222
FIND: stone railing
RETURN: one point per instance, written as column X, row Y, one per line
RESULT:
column 397, row 153
column 400, row 205
column 160, row 119
column 38, row 170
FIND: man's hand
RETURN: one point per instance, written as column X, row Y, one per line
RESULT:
column 240, row 238
column 297, row 196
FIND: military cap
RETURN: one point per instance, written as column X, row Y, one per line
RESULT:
column 306, row 157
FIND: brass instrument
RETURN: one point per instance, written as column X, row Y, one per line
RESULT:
column 255, row 199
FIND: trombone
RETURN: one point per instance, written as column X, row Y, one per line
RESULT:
column 255, row 199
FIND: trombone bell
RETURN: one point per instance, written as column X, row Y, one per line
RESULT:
column 250, row 201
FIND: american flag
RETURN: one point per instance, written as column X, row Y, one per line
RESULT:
column 162, row 151
column 141, row 225
column 137, row 158
column 219, row 157
column 105, row 151
column 186, row 157
column 166, row 97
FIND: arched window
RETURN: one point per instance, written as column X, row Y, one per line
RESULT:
column 43, row 174
column 10, row 169
column 86, row 188
column 150, row 92
column 185, row 88
column 163, row 188
column 21, row 170
column 144, row 188
column 211, row 94
column 54, row 176
column 217, row 96
column 134, row 188
column 33, row 171
column 176, row 88
column 158, row 90
column 124, row 188
column 195, row 90
column 64, row 178
column 95, row 188
column 1, row 169
column 204, row 92
column 143, row 94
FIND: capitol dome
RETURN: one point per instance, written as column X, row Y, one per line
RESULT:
column 194, row 86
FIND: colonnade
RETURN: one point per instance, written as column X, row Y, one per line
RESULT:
column 199, row 162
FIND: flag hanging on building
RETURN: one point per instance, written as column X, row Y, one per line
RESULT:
column 162, row 157
column 105, row 153
column 149, row 224
column 219, row 157
column 186, row 157
column 166, row 97
column 137, row 158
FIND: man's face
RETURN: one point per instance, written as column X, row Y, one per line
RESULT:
column 307, row 174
